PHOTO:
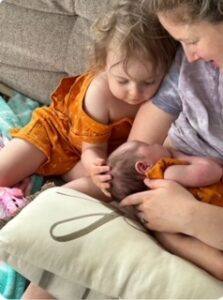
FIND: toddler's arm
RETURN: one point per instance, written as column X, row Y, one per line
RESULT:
column 94, row 156
column 200, row 171
column 190, row 248
column 94, row 160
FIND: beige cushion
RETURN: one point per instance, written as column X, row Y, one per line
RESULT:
column 97, row 251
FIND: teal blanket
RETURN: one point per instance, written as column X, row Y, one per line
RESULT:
column 17, row 112
column 12, row 284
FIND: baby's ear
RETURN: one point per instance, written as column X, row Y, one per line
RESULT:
column 141, row 166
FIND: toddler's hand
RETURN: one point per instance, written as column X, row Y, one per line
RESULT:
column 100, row 176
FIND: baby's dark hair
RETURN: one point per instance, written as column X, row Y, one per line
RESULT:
column 125, row 179
column 132, row 30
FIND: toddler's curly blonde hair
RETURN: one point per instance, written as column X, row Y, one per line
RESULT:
column 130, row 29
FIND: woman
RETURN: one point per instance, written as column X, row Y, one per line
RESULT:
column 189, row 108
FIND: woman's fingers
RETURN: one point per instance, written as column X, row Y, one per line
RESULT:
column 142, row 218
column 134, row 199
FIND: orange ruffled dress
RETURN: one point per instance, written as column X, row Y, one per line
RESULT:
column 59, row 130
column 212, row 194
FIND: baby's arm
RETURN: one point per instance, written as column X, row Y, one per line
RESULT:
column 200, row 171
column 190, row 248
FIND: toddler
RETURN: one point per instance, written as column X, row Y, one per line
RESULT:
column 92, row 114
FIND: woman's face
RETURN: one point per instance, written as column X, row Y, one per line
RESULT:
column 200, row 40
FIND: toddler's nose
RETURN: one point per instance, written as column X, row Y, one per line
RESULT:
column 191, row 54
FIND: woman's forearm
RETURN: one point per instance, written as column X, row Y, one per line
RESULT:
column 207, row 224
column 199, row 253
column 151, row 124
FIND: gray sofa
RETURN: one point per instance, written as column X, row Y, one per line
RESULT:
column 42, row 41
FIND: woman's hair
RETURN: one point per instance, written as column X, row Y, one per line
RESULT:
column 131, row 30
column 125, row 179
column 189, row 10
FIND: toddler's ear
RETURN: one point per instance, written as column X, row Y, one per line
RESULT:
column 141, row 166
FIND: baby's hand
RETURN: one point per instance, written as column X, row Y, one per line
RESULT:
column 100, row 176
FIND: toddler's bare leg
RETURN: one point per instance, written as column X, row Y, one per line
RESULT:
column 35, row 292
column 76, row 172
column 18, row 159
column 85, row 185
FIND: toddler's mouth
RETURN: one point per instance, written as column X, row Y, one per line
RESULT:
column 213, row 63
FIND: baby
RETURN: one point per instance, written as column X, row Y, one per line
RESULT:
column 135, row 160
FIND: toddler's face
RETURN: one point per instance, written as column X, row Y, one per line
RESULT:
column 135, row 85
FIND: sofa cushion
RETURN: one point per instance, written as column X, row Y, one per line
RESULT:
column 33, row 39
column 73, row 245
column 35, row 84
column 43, row 40
column 52, row 6
column 91, row 9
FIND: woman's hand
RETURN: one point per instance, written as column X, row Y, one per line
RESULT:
column 166, row 207
column 100, row 175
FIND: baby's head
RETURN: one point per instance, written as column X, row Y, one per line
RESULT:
column 130, row 31
column 129, row 163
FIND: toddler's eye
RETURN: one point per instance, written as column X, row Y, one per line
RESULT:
column 123, row 81
column 149, row 82
column 192, row 42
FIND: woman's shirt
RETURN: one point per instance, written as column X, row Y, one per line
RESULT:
column 193, row 92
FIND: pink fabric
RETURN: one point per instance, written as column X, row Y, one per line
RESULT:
column 11, row 201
